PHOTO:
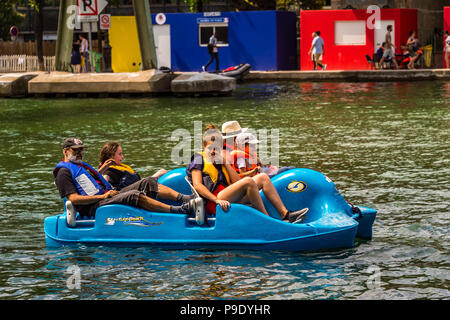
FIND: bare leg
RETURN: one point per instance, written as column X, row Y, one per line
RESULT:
column 412, row 62
column 381, row 62
column 263, row 182
column 395, row 63
column 150, row 204
column 245, row 187
column 166, row 193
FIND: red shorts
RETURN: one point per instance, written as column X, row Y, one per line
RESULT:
column 211, row 205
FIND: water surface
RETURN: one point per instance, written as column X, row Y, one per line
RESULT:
column 385, row 145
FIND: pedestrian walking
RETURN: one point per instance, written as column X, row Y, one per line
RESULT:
column 317, row 50
column 447, row 49
column 213, row 52
column 389, row 48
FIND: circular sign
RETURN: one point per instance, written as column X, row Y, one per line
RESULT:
column 14, row 32
column 160, row 18
column 104, row 18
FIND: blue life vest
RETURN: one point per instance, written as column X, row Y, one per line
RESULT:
column 84, row 180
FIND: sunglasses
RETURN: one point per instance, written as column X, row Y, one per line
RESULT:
column 76, row 150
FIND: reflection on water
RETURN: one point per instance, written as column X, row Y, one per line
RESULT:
column 385, row 145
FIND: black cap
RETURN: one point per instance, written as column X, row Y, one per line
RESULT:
column 73, row 143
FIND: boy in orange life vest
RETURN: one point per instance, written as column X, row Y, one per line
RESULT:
column 230, row 130
column 245, row 160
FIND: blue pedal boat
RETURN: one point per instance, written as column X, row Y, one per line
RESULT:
column 331, row 222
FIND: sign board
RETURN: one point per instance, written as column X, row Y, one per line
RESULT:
column 14, row 32
column 160, row 18
column 211, row 14
column 105, row 21
column 212, row 20
column 88, row 10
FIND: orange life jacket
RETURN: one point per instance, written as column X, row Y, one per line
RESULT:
column 251, row 159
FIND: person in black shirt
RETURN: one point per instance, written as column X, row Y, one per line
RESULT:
column 89, row 193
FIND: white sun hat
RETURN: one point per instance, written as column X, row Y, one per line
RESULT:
column 246, row 137
column 232, row 129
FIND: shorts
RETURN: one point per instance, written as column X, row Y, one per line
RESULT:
column 130, row 195
column 389, row 53
column 317, row 57
column 211, row 205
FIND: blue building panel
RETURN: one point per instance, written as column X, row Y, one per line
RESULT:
column 264, row 39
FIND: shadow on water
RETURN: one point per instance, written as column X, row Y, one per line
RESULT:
column 192, row 274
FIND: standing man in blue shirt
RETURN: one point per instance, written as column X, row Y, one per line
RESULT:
column 213, row 52
column 318, row 50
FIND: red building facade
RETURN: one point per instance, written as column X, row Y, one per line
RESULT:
column 446, row 27
column 350, row 35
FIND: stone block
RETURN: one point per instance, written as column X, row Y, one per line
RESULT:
column 150, row 81
column 15, row 84
column 202, row 83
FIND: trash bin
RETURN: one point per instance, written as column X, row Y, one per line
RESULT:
column 427, row 54
column 97, row 61
column 95, row 58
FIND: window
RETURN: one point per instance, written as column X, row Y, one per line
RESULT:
column 350, row 32
column 206, row 30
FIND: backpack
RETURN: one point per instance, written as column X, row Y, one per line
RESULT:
column 210, row 48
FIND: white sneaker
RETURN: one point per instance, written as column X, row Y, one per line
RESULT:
column 324, row 67
column 71, row 214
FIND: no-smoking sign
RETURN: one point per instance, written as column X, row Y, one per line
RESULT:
column 105, row 21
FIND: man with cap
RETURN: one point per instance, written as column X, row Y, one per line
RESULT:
column 86, row 189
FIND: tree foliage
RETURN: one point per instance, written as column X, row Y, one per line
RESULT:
column 300, row 4
column 242, row 5
column 8, row 18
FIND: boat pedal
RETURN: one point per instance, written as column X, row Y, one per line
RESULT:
column 198, row 204
column 71, row 217
column 71, row 214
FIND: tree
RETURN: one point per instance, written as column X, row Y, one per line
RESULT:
column 242, row 5
column 8, row 18
column 39, row 30
column 254, row 4
column 300, row 4
column 196, row 5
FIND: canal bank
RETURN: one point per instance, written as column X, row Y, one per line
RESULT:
column 154, row 83
column 350, row 75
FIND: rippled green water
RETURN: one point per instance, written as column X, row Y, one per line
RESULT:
column 385, row 145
